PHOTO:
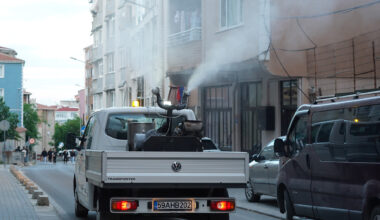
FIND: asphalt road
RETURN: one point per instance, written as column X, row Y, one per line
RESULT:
column 56, row 181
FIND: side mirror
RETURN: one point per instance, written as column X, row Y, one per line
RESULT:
column 255, row 157
column 279, row 147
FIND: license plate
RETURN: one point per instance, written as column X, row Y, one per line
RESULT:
column 172, row 205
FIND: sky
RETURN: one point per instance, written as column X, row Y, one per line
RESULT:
column 46, row 33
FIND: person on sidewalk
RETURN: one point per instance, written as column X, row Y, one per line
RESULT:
column 44, row 155
column 54, row 156
column 65, row 156
column 50, row 155
column 72, row 156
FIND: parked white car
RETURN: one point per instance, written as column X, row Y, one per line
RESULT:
column 263, row 172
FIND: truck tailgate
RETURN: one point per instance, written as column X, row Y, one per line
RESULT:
column 121, row 167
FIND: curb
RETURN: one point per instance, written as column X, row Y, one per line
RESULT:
column 25, row 181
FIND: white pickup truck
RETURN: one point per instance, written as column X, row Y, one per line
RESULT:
column 165, row 175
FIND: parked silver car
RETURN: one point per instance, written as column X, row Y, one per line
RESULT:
column 263, row 171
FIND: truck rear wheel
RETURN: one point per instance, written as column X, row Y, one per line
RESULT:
column 80, row 211
column 104, row 215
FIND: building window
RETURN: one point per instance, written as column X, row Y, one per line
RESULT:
column 110, row 98
column 1, row 92
column 110, row 63
column 100, row 68
column 140, row 90
column 97, row 101
column 289, row 93
column 2, row 71
column 111, row 27
column 230, row 13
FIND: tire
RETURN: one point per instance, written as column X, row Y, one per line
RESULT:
column 250, row 194
column 80, row 211
column 375, row 214
column 289, row 209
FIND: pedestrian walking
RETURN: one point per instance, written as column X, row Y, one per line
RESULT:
column 44, row 155
column 65, row 156
column 54, row 156
column 24, row 155
column 50, row 155
column 72, row 156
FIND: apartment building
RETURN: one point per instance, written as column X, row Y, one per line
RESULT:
column 128, row 52
column 214, row 50
column 11, row 84
column 46, row 114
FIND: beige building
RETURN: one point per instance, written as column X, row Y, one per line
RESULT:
column 46, row 115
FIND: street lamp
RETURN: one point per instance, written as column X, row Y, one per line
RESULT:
column 73, row 58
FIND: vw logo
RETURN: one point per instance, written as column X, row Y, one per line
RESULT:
column 176, row 166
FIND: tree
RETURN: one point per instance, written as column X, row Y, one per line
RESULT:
column 60, row 131
column 12, row 117
column 30, row 121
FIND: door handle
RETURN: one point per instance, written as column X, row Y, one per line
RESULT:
column 308, row 161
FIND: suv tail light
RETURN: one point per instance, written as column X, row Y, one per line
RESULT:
column 124, row 205
column 222, row 205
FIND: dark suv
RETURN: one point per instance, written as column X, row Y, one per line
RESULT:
column 331, row 161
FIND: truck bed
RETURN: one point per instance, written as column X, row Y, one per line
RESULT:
column 112, row 169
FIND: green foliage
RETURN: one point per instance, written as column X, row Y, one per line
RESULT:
column 60, row 131
column 30, row 121
column 6, row 114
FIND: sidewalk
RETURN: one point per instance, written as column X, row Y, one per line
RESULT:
column 15, row 202
column 266, row 206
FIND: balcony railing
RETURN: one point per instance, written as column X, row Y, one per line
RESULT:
column 97, row 53
column 97, row 85
column 193, row 34
column 110, row 81
column 97, row 21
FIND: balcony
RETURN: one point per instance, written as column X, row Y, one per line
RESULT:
column 110, row 81
column 97, row 53
column 97, row 21
column 184, row 50
column 97, row 85
column 193, row 34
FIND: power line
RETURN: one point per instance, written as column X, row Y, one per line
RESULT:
column 342, row 11
column 286, row 71
column 303, row 31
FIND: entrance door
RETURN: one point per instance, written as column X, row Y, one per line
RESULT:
column 218, row 115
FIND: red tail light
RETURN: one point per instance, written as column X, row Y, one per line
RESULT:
column 222, row 205
column 124, row 205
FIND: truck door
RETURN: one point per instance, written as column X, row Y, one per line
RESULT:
column 80, row 167
column 297, row 169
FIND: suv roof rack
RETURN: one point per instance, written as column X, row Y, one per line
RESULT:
column 356, row 95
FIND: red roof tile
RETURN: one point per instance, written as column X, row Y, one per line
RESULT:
column 45, row 107
column 67, row 109
column 9, row 59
